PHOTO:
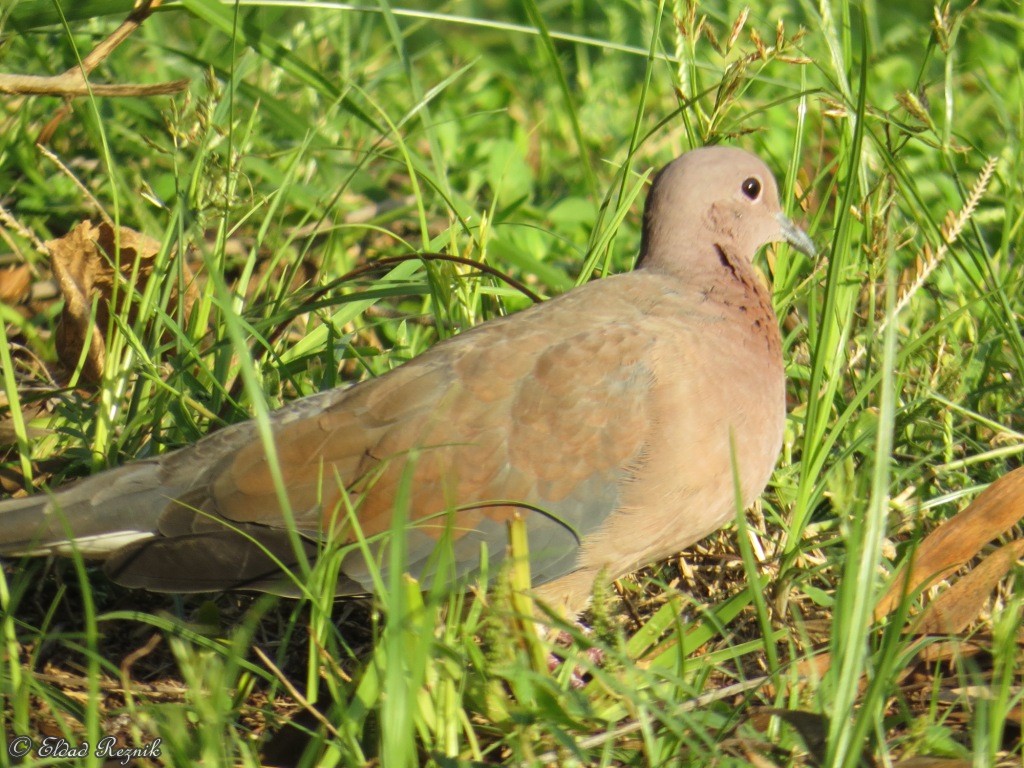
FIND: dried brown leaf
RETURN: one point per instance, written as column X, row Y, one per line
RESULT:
column 83, row 262
column 958, row 606
column 14, row 284
column 959, row 539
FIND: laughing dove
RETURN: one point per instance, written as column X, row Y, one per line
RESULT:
column 610, row 418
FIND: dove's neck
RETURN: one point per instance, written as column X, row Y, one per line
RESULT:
column 721, row 279
column 742, row 294
column 733, row 276
column 715, row 266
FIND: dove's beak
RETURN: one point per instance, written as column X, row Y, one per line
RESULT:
column 796, row 236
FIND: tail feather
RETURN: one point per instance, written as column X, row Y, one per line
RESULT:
column 94, row 517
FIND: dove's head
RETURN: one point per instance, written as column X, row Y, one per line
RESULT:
column 718, row 202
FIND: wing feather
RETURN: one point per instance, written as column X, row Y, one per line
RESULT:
column 510, row 418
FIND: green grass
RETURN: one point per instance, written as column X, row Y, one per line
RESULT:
column 315, row 139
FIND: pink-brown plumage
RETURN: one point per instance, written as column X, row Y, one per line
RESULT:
column 610, row 418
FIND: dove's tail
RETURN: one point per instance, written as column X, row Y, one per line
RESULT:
column 94, row 517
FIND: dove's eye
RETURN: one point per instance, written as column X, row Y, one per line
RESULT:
column 751, row 188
